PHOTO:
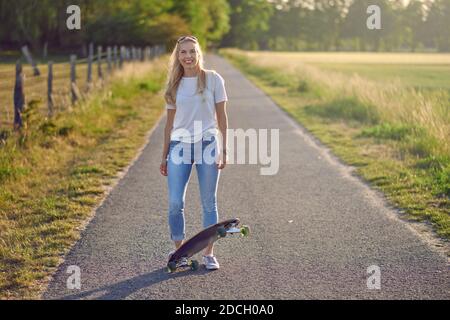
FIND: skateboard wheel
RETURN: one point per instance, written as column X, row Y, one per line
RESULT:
column 194, row 265
column 172, row 266
column 222, row 232
column 245, row 230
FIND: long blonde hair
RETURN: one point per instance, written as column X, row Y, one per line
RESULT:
column 175, row 72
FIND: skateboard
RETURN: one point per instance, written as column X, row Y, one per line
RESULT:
column 202, row 239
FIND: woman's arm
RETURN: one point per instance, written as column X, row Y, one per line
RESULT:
column 167, row 130
column 222, row 122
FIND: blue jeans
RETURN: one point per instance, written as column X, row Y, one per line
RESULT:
column 178, row 177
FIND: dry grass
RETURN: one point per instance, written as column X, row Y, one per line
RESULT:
column 391, row 101
column 56, row 171
column 35, row 87
column 289, row 58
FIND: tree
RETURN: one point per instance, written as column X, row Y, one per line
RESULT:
column 324, row 23
column 437, row 25
column 249, row 22
column 412, row 22
column 355, row 25
column 208, row 20
column 133, row 22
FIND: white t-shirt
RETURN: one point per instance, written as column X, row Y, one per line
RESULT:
column 195, row 117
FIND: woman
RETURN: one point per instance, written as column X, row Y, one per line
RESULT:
column 195, row 102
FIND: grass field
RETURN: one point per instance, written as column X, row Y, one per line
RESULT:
column 56, row 171
column 390, row 122
column 418, row 70
column 419, row 76
column 428, row 71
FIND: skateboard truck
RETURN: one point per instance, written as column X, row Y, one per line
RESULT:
column 233, row 229
column 244, row 230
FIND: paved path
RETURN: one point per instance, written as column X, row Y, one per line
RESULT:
column 316, row 228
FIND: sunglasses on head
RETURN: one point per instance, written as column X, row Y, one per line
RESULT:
column 186, row 37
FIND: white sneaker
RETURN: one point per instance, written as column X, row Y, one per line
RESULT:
column 183, row 261
column 211, row 262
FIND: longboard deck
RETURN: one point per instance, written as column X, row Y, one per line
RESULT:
column 201, row 240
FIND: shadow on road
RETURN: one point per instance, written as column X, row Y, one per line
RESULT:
column 123, row 289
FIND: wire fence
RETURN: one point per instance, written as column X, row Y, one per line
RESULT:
column 57, row 86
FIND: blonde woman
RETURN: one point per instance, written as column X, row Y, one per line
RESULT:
column 194, row 132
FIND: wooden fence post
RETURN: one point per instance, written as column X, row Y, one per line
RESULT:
column 152, row 52
column 30, row 60
column 19, row 97
column 73, row 78
column 44, row 54
column 89, row 70
column 115, row 57
column 99, row 62
column 50, row 89
column 121, row 56
column 108, row 59
column 146, row 53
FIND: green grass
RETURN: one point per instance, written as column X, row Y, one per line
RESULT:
column 344, row 108
column 419, row 76
column 428, row 71
column 388, row 131
column 55, row 171
column 401, row 159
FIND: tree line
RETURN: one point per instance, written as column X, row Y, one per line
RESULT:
column 249, row 24
column 106, row 22
column 339, row 25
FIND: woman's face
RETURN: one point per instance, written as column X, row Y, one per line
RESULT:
column 188, row 55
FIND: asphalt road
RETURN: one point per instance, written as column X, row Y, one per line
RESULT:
column 315, row 227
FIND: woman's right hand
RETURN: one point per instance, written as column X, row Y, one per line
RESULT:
column 163, row 167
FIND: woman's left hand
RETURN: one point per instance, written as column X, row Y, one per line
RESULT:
column 222, row 161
